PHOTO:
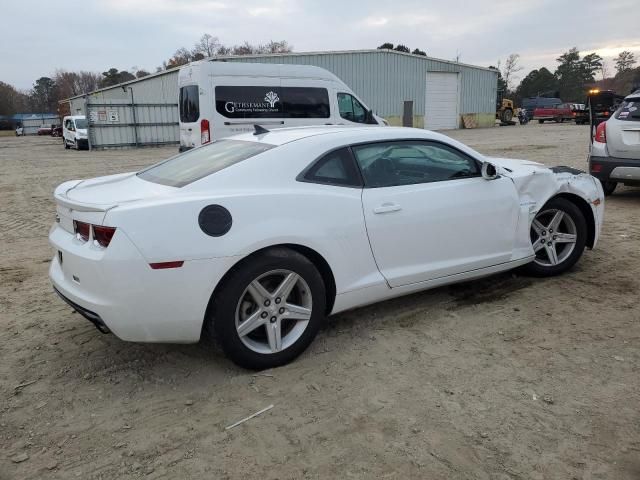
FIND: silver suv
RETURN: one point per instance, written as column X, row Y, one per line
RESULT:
column 615, row 151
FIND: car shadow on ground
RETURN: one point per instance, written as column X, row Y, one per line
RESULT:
column 106, row 355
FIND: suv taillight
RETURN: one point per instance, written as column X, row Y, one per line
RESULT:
column 103, row 235
column 205, row 133
column 601, row 133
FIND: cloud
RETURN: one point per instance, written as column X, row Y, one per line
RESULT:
column 161, row 7
column 122, row 33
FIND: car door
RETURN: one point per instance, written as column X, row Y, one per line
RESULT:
column 352, row 112
column 430, row 214
column 68, row 134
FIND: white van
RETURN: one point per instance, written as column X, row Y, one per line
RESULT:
column 220, row 99
column 74, row 132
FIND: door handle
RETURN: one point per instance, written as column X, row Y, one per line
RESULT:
column 387, row 208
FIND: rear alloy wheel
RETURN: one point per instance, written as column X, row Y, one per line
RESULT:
column 269, row 310
column 558, row 235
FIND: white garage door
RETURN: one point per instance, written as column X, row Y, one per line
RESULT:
column 442, row 101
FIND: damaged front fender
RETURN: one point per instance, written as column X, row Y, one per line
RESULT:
column 536, row 184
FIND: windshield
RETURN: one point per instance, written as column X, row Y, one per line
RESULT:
column 81, row 123
column 200, row 162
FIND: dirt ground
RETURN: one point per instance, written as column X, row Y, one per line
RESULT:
column 504, row 378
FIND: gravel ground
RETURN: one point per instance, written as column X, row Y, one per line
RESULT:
column 504, row 378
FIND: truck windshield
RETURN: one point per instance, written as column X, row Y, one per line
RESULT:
column 200, row 162
column 81, row 123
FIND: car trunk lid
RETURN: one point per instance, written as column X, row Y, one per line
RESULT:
column 82, row 199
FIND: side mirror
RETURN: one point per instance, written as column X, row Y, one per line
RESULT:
column 489, row 171
column 370, row 119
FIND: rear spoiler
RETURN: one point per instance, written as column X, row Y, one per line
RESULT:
column 82, row 207
column 60, row 196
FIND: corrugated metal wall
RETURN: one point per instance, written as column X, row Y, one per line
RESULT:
column 156, row 111
column 32, row 123
column 384, row 80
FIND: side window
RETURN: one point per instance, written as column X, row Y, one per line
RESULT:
column 243, row 102
column 335, row 168
column 189, row 104
column 351, row 109
column 305, row 102
column 409, row 162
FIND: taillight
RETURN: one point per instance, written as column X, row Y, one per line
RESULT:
column 601, row 133
column 205, row 133
column 596, row 168
column 82, row 230
column 103, row 235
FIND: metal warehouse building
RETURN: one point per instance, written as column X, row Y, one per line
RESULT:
column 405, row 89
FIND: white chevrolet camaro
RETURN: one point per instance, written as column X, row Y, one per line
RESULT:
column 256, row 238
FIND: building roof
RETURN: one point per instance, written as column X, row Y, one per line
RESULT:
column 27, row 116
column 290, row 54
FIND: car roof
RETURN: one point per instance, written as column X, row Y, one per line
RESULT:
column 280, row 136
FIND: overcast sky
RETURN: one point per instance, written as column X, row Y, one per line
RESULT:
column 41, row 36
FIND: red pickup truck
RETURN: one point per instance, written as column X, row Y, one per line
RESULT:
column 559, row 113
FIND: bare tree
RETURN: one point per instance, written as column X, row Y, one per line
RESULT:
column 604, row 69
column 511, row 67
column 208, row 45
column 245, row 49
column 70, row 84
column 625, row 61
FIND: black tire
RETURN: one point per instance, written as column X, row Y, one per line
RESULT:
column 608, row 186
column 221, row 322
column 507, row 115
column 75, row 144
column 571, row 209
column 64, row 142
column 540, row 121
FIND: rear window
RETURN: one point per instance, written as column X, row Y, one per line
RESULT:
column 200, row 162
column 189, row 104
column 272, row 102
column 629, row 110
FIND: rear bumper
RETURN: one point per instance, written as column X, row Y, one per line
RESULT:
column 615, row 169
column 88, row 314
column 117, row 290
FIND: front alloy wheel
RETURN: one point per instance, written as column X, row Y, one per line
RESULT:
column 558, row 236
column 268, row 309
